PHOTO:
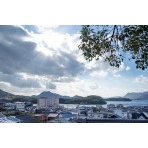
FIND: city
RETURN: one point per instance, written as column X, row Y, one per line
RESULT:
column 48, row 110
column 96, row 73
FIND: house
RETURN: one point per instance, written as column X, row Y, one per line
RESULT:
column 66, row 117
column 52, row 116
column 135, row 115
column 30, row 108
column 119, row 112
column 110, row 106
column 2, row 103
column 114, row 116
column 99, row 106
column 84, row 111
column 20, row 106
column 143, row 116
column 25, row 118
column 10, row 119
column 119, row 106
column 41, row 117
column 10, row 106
column 13, row 119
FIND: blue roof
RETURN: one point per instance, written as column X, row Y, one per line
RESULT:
column 26, row 118
column 66, row 114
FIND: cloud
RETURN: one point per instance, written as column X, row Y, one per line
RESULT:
column 50, row 86
column 117, row 75
column 127, row 68
column 19, row 81
column 94, row 86
column 64, row 79
column 141, row 79
column 49, row 54
column 38, row 58
column 19, row 53
column 99, row 73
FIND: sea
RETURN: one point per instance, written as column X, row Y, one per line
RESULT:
column 125, row 103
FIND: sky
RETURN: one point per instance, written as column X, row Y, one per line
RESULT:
column 46, row 58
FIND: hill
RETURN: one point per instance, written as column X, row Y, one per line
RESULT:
column 84, row 100
column 6, row 95
column 137, row 96
column 46, row 94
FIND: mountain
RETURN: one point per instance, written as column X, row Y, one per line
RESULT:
column 84, row 100
column 6, row 95
column 144, row 95
column 76, row 97
column 137, row 96
column 12, row 97
column 46, row 94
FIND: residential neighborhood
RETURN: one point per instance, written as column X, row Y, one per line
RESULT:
column 48, row 110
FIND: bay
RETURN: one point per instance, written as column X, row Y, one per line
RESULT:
column 125, row 103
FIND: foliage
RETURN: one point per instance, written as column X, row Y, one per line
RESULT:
column 83, row 100
column 3, row 109
column 95, row 109
column 12, row 113
column 114, row 43
column 118, row 99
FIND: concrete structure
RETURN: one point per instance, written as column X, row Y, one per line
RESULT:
column 48, row 102
column 10, row 106
column 20, row 106
column 111, row 106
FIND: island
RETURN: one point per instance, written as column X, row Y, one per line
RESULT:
column 118, row 99
column 84, row 100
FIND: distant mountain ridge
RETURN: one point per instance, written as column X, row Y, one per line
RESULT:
column 46, row 94
column 10, row 96
column 6, row 95
column 137, row 96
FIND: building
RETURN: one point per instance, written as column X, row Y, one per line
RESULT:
column 120, row 106
column 66, row 117
column 10, row 119
column 41, row 117
column 25, row 118
column 111, row 106
column 48, row 102
column 10, row 106
column 20, row 106
column 143, row 116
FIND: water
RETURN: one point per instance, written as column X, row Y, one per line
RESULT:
column 130, row 103
column 125, row 103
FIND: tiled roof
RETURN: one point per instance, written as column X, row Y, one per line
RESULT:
column 26, row 118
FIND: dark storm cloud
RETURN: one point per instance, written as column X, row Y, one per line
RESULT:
column 50, row 86
column 19, row 81
column 15, row 53
column 71, row 67
column 19, row 56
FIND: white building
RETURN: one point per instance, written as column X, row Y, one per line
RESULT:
column 48, row 102
column 110, row 106
column 10, row 106
column 20, row 106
